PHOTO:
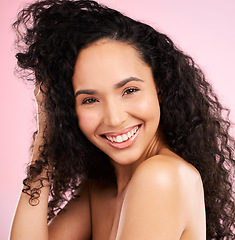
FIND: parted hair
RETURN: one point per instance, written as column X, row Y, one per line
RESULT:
column 50, row 35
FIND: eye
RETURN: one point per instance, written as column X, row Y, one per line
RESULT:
column 89, row 101
column 131, row 90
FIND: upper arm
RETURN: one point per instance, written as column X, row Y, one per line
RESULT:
column 74, row 221
column 157, row 203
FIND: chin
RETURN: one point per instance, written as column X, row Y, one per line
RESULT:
column 126, row 159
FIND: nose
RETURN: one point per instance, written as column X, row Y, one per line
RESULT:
column 114, row 113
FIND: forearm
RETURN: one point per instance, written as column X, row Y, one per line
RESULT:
column 30, row 221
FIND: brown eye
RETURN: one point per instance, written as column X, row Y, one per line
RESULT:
column 89, row 101
column 131, row 90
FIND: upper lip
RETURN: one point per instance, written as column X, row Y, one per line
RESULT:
column 117, row 133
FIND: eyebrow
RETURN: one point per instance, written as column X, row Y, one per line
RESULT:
column 85, row 91
column 118, row 85
column 125, row 81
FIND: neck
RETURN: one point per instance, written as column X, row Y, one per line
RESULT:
column 123, row 176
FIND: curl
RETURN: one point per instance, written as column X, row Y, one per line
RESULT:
column 32, row 187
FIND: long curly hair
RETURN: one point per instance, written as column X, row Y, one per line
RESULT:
column 194, row 124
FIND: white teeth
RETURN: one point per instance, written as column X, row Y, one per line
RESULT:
column 123, row 137
column 119, row 139
column 111, row 139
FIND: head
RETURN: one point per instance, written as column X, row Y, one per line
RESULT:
column 116, row 100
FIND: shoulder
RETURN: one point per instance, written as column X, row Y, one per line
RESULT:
column 168, row 175
column 163, row 191
column 167, row 169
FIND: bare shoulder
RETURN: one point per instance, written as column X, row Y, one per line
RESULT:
column 163, row 194
column 167, row 169
column 171, row 176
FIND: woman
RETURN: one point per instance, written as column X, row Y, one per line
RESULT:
column 130, row 134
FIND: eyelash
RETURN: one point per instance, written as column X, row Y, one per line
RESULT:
column 127, row 91
column 89, row 100
column 130, row 90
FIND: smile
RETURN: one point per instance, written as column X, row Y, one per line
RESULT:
column 123, row 137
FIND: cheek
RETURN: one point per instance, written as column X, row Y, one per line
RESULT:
column 87, row 122
column 148, row 108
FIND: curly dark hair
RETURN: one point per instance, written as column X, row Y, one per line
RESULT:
column 194, row 124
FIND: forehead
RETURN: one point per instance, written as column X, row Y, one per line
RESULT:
column 108, row 59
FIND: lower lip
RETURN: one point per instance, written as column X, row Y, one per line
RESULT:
column 129, row 142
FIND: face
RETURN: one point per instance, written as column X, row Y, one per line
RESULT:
column 116, row 100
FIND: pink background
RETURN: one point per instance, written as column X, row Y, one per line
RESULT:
column 204, row 29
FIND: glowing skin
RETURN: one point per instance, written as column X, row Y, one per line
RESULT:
column 116, row 100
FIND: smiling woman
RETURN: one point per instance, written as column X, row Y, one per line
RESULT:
column 123, row 100
column 130, row 139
